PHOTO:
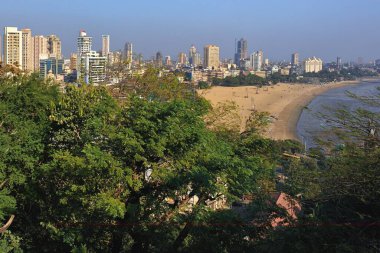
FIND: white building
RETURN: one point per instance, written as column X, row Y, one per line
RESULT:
column 12, row 47
column 312, row 65
column 93, row 68
column 84, row 43
column 84, row 47
column 257, row 59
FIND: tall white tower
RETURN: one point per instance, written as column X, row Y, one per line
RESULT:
column 84, row 43
column 84, row 47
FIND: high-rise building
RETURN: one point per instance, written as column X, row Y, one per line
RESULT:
column 73, row 61
column 84, row 47
column 27, row 50
column 92, row 68
column 192, row 53
column 84, row 43
column 12, row 47
column 128, row 53
column 241, row 51
column 339, row 63
column 182, row 59
column 211, row 56
column 168, row 61
column 54, row 46
column 257, row 60
column 197, row 60
column 295, row 59
column 105, row 45
column 158, row 59
column 312, row 65
column 40, row 50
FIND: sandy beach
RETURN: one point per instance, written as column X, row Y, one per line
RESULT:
column 284, row 102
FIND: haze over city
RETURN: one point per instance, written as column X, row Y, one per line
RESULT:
column 346, row 28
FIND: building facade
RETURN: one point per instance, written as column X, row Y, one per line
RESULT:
column 12, row 47
column 257, row 60
column 241, row 51
column 182, row 59
column 92, row 68
column 54, row 46
column 40, row 45
column 312, row 65
column 73, row 62
column 128, row 54
column 52, row 66
column 84, row 44
column 159, row 59
column 105, row 45
column 295, row 60
column 211, row 57
column 27, row 50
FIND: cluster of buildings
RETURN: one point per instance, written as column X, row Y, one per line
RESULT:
column 43, row 54
column 30, row 53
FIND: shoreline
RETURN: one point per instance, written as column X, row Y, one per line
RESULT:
column 286, row 125
column 285, row 103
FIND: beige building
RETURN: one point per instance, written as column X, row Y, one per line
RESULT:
column 211, row 56
column 105, row 45
column 182, row 59
column 312, row 65
column 73, row 61
column 40, row 45
column 27, row 50
column 12, row 46
column 54, row 46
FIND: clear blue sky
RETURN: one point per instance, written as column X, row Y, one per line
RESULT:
column 324, row 28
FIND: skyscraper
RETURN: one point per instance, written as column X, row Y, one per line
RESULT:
column 27, row 50
column 168, row 61
column 257, row 60
column 339, row 63
column 40, row 45
column 54, row 46
column 197, row 60
column 159, row 59
column 128, row 53
column 241, row 51
column 105, row 45
column 211, row 56
column 192, row 53
column 91, row 66
column 182, row 59
column 12, row 46
column 84, row 46
column 84, row 43
column 295, row 59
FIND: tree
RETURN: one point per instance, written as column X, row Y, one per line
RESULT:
column 89, row 172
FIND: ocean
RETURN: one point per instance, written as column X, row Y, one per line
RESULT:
column 310, row 125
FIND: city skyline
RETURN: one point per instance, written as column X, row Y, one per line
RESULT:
column 307, row 28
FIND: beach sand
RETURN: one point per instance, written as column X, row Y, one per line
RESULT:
column 284, row 102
